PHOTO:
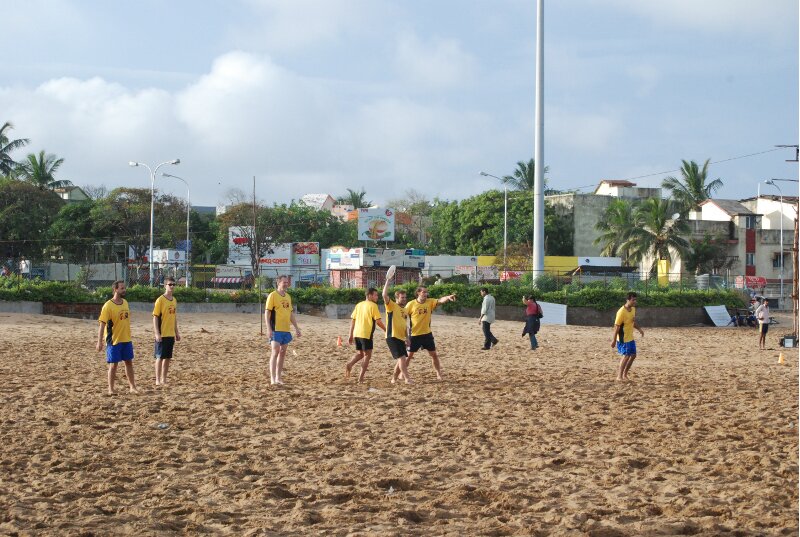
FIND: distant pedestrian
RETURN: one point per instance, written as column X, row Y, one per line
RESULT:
column 365, row 317
column 533, row 315
column 762, row 314
column 116, row 323
column 24, row 267
column 279, row 317
column 165, row 330
column 5, row 273
column 487, row 318
column 623, row 340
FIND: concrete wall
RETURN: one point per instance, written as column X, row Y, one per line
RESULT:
column 586, row 210
column 646, row 317
column 34, row 308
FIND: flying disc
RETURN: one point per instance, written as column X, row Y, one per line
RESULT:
column 390, row 272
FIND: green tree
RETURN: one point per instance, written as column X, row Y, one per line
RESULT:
column 524, row 176
column 25, row 216
column 125, row 214
column 71, row 234
column 419, row 209
column 357, row 199
column 39, row 170
column 616, row 226
column 7, row 164
column 708, row 254
column 656, row 234
column 691, row 189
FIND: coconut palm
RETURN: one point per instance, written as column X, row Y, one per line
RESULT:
column 657, row 232
column 689, row 191
column 356, row 199
column 7, row 164
column 523, row 177
column 616, row 226
column 40, row 169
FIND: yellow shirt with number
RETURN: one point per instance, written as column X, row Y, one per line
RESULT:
column 281, row 308
column 118, row 322
column 420, row 315
column 396, row 321
column 626, row 319
column 167, row 312
column 365, row 314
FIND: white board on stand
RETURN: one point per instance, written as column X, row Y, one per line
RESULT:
column 719, row 315
column 553, row 313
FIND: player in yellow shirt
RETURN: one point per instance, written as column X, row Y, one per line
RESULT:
column 623, row 341
column 115, row 324
column 419, row 313
column 365, row 317
column 279, row 316
column 397, row 328
column 165, row 329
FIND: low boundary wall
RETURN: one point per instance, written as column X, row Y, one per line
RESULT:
column 577, row 316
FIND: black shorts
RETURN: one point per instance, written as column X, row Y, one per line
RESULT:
column 765, row 327
column 363, row 344
column 424, row 341
column 163, row 348
column 397, row 347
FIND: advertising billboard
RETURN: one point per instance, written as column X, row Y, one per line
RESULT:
column 305, row 254
column 376, row 224
column 345, row 258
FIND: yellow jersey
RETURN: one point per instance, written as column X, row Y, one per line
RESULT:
column 396, row 321
column 420, row 315
column 365, row 314
column 625, row 319
column 281, row 308
column 166, row 311
column 118, row 322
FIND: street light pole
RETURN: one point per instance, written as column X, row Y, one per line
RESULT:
column 188, row 208
column 771, row 182
column 152, row 205
column 505, row 217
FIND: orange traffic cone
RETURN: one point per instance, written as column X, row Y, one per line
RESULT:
column 339, row 341
column 780, row 359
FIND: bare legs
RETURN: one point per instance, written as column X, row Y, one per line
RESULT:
column 358, row 356
column 625, row 363
column 112, row 377
column 276, row 362
column 402, row 374
column 162, row 367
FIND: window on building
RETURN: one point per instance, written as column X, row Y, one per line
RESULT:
column 750, row 260
column 750, row 222
column 776, row 260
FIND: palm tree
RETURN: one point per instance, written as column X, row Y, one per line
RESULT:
column 356, row 199
column 657, row 232
column 40, row 169
column 523, row 177
column 7, row 164
column 616, row 226
column 692, row 189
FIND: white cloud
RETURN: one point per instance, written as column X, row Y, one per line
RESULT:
column 588, row 132
column 439, row 63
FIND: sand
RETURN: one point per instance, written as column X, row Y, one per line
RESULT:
column 702, row 441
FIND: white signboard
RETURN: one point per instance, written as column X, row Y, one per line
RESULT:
column 305, row 254
column 376, row 224
column 279, row 255
column 232, row 271
column 719, row 315
column 553, row 313
column 345, row 258
column 239, row 244
column 168, row 257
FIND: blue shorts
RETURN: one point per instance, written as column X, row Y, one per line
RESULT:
column 282, row 338
column 121, row 352
column 626, row 349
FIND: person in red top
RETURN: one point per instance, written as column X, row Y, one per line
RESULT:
column 533, row 312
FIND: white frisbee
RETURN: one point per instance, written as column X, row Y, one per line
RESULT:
column 390, row 272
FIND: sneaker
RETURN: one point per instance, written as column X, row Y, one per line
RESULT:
column 485, row 348
column 496, row 341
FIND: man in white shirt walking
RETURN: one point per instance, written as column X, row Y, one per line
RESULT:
column 487, row 318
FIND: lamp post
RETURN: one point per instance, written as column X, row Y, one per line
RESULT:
column 188, row 208
column 772, row 182
column 152, row 204
column 505, row 217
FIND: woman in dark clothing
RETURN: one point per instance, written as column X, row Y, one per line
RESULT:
column 533, row 312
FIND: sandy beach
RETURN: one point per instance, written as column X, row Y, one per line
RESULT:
column 702, row 441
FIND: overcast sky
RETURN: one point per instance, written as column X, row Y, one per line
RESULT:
column 322, row 95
